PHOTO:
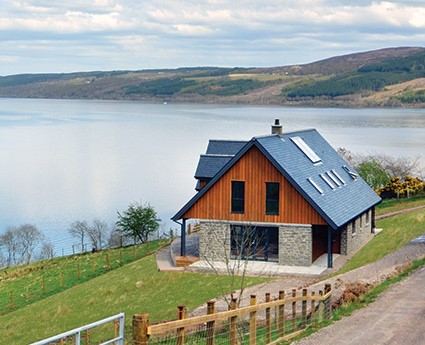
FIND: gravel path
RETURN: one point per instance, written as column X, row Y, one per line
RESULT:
column 396, row 317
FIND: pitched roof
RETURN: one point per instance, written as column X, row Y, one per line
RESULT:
column 219, row 153
column 330, row 185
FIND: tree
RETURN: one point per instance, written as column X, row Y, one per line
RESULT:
column 47, row 251
column 373, row 173
column 78, row 229
column 9, row 241
column 138, row 221
column 29, row 238
column 97, row 234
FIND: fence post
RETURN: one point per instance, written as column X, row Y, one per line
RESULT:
column 294, row 311
column 268, row 334
column 181, row 315
column 281, row 315
column 211, row 324
column 140, row 329
column 320, row 310
column 253, row 322
column 108, row 262
column 78, row 271
column 327, row 302
column 60, row 279
column 43, row 285
column 87, row 337
column 313, row 307
column 304, row 309
column 234, row 324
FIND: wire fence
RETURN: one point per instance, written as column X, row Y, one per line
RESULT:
column 26, row 284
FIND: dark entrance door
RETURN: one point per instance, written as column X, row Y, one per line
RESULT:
column 254, row 243
column 320, row 241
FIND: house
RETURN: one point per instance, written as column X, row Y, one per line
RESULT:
column 284, row 197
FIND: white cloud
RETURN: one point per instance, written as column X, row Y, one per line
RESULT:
column 169, row 33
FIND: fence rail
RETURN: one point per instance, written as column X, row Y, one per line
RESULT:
column 265, row 323
column 77, row 332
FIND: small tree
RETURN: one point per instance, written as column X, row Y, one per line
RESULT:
column 29, row 238
column 97, row 234
column 78, row 229
column 138, row 221
column 373, row 173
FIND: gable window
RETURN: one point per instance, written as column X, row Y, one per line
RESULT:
column 272, row 198
column 238, row 197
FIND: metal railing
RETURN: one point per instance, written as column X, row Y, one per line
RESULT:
column 118, row 340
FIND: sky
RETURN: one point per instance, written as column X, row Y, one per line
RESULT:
column 52, row 36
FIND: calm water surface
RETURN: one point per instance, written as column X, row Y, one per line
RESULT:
column 67, row 160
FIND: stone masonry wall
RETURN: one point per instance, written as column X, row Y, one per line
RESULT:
column 214, row 241
column 356, row 233
column 295, row 245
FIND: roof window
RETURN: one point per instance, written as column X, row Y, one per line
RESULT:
column 301, row 144
column 314, row 184
column 334, row 178
column 352, row 174
column 337, row 176
column 329, row 183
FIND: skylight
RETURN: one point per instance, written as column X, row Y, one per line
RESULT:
column 338, row 177
column 329, row 183
column 301, row 144
column 334, row 178
column 352, row 174
column 314, row 184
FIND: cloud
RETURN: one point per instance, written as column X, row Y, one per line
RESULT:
column 169, row 33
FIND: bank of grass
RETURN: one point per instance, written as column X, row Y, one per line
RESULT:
column 394, row 205
column 369, row 297
column 134, row 288
column 396, row 232
column 26, row 284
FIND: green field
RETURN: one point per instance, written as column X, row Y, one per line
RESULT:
column 138, row 287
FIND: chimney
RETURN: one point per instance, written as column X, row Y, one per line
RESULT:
column 277, row 127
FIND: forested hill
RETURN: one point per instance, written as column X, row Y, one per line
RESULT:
column 385, row 77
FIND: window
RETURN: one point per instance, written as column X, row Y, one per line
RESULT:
column 238, row 197
column 302, row 145
column 353, row 228
column 272, row 198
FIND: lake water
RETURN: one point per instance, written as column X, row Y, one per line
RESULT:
column 67, row 160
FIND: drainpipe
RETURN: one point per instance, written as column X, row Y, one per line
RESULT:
column 182, row 236
column 330, row 259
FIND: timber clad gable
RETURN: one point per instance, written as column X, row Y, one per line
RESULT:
column 285, row 197
column 215, row 204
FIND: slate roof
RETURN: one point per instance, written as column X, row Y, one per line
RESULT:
column 330, row 185
column 219, row 153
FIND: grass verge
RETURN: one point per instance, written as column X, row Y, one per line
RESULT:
column 394, row 205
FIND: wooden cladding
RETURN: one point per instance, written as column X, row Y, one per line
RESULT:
column 255, row 170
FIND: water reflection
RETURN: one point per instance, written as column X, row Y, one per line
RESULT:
column 66, row 160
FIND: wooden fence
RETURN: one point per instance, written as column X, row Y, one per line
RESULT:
column 265, row 323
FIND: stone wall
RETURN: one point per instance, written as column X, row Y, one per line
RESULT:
column 356, row 233
column 214, row 241
column 295, row 245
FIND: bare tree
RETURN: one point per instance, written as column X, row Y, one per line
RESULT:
column 29, row 237
column 47, row 251
column 9, row 241
column 79, row 229
column 97, row 234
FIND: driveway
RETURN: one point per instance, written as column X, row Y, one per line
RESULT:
column 396, row 317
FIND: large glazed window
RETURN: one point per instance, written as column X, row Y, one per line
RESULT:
column 272, row 198
column 238, row 197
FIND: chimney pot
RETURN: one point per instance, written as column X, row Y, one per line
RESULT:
column 277, row 127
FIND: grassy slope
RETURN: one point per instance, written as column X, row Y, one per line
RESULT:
column 397, row 231
column 159, row 294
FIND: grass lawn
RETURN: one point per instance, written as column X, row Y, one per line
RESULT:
column 397, row 231
column 158, row 293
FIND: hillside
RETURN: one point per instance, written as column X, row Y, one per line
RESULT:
column 385, row 77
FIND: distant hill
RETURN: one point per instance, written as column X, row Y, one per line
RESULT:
column 354, row 80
